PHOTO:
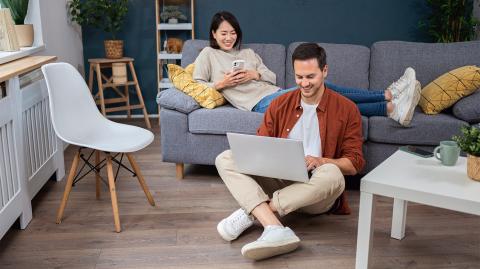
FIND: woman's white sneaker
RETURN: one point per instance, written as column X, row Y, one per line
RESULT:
column 234, row 225
column 398, row 87
column 275, row 240
column 404, row 106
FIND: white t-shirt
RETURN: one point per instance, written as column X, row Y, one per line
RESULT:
column 307, row 130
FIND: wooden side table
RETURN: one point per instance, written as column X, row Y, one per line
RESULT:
column 104, row 82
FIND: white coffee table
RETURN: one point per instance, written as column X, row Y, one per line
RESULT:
column 406, row 177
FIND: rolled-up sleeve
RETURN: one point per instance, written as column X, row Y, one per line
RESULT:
column 267, row 126
column 265, row 74
column 351, row 146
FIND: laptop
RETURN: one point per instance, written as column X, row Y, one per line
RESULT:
column 269, row 156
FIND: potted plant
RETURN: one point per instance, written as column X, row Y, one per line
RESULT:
column 172, row 14
column 107, row 15
column 450, row 20
column 469, row 142
column 18, row 9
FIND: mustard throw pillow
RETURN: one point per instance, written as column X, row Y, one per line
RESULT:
column 450, row 87
column 182, row 79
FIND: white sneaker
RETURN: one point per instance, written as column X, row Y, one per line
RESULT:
column 404, row 106
column 398, row 87
column 232, row 226
column 275, row 240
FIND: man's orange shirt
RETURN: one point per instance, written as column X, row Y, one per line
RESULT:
column 339, row 121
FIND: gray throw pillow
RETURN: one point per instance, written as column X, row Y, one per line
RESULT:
column 468, row 108
column 176, row 100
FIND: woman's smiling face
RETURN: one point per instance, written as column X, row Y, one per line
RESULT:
column 225, row 35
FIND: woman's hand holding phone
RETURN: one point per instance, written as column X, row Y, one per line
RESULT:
column 230, row 79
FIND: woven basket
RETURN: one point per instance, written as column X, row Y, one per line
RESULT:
column 473, row 167
column 113, row 49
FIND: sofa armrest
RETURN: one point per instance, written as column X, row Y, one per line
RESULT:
column 176, row 100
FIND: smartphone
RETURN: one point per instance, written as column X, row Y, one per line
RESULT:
column 417, row 151
column 238, row 65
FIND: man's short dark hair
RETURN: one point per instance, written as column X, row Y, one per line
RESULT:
column 307, row 51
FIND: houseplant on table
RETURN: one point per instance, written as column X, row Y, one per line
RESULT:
column 469, row 142
column 18, row 9
column 172, row 14
column 107, row 15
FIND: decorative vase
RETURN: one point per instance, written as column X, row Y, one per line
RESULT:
column 173, row 20
column 473, row 167
column 113, row 49
column 24, row 34
column 119, row 73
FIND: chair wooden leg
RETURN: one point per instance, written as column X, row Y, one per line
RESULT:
column 97, row 176
column 140, row 179
column 113, row 194
column 179, row 170
column 68, row 187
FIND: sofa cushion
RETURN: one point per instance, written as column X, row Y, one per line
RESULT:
column 347, row 65
column 424, row 129
column 389, row 59
column 222, row 120
column 229, row 119
column 176, row 100
column 182, row 79
column 468, row 108
column 273, row 56
column 450, row 87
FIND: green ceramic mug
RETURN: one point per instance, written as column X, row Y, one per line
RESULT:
column 447, row 152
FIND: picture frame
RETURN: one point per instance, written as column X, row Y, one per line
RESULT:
column 8, row 36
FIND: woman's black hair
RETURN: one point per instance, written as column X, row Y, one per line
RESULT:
column 217, row 19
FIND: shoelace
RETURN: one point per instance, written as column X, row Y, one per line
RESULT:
column 238, row 223
column 397, row 94
column 395, row 84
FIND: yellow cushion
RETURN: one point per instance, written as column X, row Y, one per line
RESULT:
column 182, row 79
column 450, row 87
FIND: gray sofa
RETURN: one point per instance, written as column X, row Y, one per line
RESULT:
column 190, row 134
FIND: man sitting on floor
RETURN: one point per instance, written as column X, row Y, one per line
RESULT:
column 330, row 127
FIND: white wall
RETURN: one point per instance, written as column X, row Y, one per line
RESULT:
column 61, row 38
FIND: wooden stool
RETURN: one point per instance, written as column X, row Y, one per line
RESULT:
column 105, row 82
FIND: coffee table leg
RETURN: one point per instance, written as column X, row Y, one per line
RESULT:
column 399, row 218
column 366, row 218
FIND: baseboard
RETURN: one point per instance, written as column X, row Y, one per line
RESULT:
column 135, row 116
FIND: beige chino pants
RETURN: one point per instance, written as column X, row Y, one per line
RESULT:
column 315, row 197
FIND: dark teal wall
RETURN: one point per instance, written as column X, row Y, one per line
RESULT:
column 268, row 21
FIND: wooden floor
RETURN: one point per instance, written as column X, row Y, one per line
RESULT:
column 180, row 232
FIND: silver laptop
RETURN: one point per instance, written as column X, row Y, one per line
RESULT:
column 269, row 156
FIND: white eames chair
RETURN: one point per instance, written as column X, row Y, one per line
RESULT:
column 77, row 121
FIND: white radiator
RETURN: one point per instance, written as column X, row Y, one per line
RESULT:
column 14, row 202
column 43, row 151
column 30, row 152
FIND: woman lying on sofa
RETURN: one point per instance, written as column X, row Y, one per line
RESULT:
column 253, row 87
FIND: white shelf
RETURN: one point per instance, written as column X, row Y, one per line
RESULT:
column 165, row 85
column 174, row 26
column 7, row 56
column 169, row 56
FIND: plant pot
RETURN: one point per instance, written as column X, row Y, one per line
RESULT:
column 119, row 73
column 473, row 167
column 172, row 20
column 24, row 34
column 113, row 49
